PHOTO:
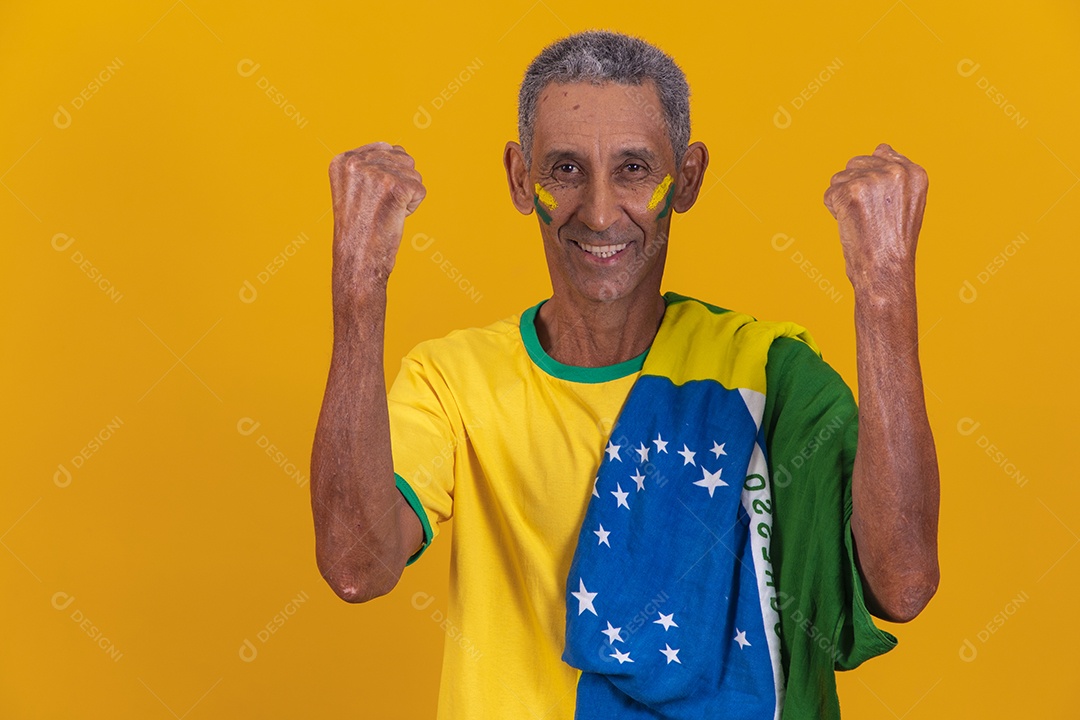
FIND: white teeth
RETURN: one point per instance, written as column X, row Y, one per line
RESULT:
column 601, row 251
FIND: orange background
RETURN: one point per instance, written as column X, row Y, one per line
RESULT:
column 179, row 180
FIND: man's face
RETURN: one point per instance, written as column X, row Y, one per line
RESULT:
column 603, row 179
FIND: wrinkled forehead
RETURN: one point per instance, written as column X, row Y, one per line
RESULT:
column 599, row 120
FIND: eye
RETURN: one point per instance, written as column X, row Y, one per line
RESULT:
column 566, row 168
column 635, row 168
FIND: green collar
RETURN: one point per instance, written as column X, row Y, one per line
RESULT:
column 573, row 373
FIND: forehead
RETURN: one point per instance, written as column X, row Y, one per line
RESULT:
column 600, row 118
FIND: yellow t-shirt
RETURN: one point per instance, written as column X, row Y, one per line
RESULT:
column 487, row 426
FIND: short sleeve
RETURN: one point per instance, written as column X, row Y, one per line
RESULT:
column 811, row 428
column 425, row 432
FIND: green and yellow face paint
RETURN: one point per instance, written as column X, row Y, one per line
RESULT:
column 543, row 199
column 663, row 193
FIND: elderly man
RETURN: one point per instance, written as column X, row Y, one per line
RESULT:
column 663, row 509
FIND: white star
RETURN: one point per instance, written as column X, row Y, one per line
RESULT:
column 639, row 479
column 602, row 534
column 643, row 452
column 718, row 450
column 688, row 455
column 740, row 637
column 621, row 657
column 612, row 451
column 584, row 598
column 666, row 621
column 595, row 480
column 612, row 633
column 620, row 496
column 661, row 444
column 671, row 654
column 711, row 480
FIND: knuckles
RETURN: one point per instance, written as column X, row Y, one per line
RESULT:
column 378, row 169
column 371, row 157
column 885, row 176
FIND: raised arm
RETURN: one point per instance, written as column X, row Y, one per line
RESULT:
column 364, row 529
column 878, row 201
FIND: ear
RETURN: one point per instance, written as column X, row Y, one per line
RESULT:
column 517, row 177
column 691, row 174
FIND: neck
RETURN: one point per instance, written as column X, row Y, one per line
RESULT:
column 596, row 334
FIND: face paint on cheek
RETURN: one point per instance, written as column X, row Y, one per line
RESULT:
column 543, row 196
column 663, row 192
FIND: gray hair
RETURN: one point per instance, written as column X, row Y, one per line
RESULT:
column 597, row 57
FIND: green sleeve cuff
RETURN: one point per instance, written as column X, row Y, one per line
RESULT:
column 418, row 508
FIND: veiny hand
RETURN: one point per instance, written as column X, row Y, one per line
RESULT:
column 374, row 188
column 878, row 202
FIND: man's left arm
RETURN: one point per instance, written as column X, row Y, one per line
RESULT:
column 878, row 202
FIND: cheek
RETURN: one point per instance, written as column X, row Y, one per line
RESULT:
column 544, row 202
column 661, row 196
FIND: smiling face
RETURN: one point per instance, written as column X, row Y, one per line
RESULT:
column 603, row 182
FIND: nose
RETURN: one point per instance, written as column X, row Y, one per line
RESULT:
column 600, row 207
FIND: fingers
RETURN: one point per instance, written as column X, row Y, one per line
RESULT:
column 384, row 149
column 863, row 161
column 843, row 176
column 884, row 150
column 883, row 154
column 884, row 159
column 417, row 198
column 379, row 149
column 828, row 200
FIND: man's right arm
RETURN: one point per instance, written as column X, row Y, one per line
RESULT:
column 365, row 531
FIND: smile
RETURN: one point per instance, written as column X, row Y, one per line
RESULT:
column 601, row 251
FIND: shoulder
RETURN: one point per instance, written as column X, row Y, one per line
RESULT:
column 791, row 359
column 497, row 338
column 804, row 388
column 780, row 340
column 705, row 318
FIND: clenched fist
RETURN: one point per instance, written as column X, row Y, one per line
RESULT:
column 374, row 188
column 878, row 202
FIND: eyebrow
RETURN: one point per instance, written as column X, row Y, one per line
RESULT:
column 626, row 153
column 638, row 152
